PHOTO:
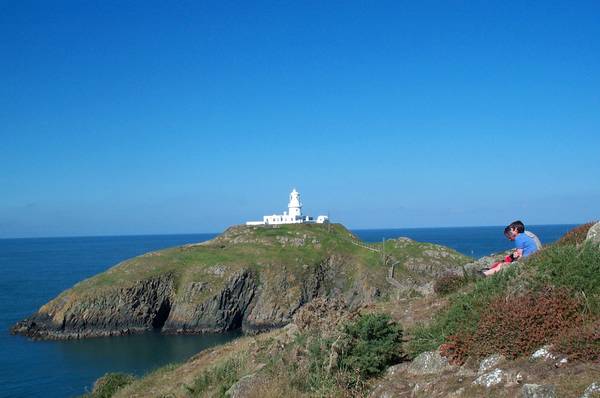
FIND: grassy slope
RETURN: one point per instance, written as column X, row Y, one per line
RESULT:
column 569, row 264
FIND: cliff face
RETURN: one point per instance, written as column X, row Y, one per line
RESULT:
column 143, row 306
column 254, row 278
column 221, row 312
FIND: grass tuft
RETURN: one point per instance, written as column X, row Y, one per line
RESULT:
column 107, row 385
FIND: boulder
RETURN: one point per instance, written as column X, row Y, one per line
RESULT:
column 593, row 234
column 243, row 387
column 430, row 362
column 491, row 379
column 538, row 391
column 490, row 362
column 542, row 353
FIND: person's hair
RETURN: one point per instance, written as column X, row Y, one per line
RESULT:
column 507, row 232
column 518, row 225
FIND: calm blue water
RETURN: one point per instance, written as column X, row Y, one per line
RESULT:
column 36, row 270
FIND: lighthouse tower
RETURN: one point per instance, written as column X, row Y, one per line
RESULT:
column 295, row 206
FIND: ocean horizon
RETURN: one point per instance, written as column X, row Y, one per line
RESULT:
column 109, row 235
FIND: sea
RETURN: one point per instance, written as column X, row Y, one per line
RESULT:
column 35, row 270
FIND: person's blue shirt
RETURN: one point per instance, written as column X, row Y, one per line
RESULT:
column 526, row 244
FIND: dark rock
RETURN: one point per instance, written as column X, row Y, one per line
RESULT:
column 221, row 312
column 145, row 305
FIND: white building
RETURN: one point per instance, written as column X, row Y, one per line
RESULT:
column 292, row 216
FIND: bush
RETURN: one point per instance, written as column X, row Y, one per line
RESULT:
column 373, row 342
column 576, row 236
column 516, row 326
column 108, row 384
column 448, row 283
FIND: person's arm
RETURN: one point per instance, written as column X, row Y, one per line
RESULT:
column 519, row 246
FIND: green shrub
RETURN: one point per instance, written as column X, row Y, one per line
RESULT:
column 373, row 342
column 108, row 384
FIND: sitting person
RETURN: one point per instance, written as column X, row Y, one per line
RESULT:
column 526, row 243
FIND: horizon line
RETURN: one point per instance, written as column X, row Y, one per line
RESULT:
column 217, row 233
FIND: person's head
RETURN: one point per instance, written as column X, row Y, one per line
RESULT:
column 518, row 225
column 513, row 229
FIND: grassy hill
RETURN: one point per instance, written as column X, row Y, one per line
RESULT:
column 253, row 277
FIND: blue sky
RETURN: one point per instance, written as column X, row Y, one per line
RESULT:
column 148, row 117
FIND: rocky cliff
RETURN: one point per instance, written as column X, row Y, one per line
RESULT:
column 254, row 278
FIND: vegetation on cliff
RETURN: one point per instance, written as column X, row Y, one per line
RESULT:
column 548, row 299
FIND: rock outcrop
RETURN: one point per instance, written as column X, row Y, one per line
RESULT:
column 145, row 305
column 593, row 234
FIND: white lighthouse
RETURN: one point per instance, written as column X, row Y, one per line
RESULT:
column 292, row 216
column 295, row 207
